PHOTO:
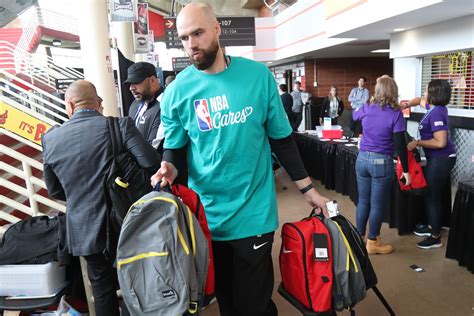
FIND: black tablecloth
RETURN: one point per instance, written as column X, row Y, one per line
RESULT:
column 334, row 164
column 318, row 158
column 461, row 235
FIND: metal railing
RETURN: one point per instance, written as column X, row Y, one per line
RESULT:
column 57, row 21
column 36, row 102
column 33, row 103
column 30, row 22
column 29, row 192
column 38, row 67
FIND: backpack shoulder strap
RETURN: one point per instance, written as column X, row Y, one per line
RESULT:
column 118, row 135
column 112, row 133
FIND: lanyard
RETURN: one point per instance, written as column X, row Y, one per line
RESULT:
column 423, row 118
column 226, row 62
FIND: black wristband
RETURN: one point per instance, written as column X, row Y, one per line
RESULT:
column 306, row 188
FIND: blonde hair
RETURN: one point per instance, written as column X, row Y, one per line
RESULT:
column 386, row 93
column 337, row 94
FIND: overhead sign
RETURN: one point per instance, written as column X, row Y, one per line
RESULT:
column 22, row 124
column 123, row 10
column 171, row 33
column 179, row 63
column 235, row 31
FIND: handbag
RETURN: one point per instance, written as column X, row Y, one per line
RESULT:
column 126, row 181
column 418, row 185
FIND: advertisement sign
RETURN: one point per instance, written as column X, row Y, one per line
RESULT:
column 22, row 123
column 123, row 10
column 141, row 36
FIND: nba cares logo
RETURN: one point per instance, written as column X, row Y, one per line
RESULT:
column 203, row 116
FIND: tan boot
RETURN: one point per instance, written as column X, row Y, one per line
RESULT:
column 376, row 246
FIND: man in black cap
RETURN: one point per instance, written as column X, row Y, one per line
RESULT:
column 145, row 110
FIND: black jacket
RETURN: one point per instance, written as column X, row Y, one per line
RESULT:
column 148, row 126
column 287, row 100
column 326, row 105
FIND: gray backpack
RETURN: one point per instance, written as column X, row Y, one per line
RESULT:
column 162, row 257
column 348, row 283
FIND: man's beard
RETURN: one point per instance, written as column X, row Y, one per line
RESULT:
column 208, row 57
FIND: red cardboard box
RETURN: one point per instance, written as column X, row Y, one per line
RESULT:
column 332, row 133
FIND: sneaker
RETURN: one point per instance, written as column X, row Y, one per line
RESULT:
column 422, row 230
column 430, row 242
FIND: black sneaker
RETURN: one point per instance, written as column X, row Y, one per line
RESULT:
column 430, row 242
column 422, row 230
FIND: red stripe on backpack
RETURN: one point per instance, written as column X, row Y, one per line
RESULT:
column 192, row 200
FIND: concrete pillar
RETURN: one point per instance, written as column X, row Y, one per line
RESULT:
column 123, row 32
column 95, row 48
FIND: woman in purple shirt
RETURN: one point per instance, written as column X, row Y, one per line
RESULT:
column 383, row 127
column 440, row 154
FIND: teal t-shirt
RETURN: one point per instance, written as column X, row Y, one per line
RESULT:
column 227, row 119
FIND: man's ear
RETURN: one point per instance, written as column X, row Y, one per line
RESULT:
column 155, row 81
column 217, row 28
column 69, row 107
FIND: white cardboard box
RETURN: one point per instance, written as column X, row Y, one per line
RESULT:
column 31, row 279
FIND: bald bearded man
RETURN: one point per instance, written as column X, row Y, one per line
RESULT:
column 228, row 112
column 77, row 157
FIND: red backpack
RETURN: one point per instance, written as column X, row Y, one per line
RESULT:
column 306, row 264
column 418, row 183
column 192, row 200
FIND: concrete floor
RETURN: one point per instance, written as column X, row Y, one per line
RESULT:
column 443, row 289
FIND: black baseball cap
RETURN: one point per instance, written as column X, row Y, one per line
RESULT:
column 138, row 72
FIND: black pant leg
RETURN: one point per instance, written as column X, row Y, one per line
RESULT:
column 103, row 278
column 223, row 266
column 437, row 173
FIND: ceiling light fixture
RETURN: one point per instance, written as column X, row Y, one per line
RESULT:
column 57, row 42
column 399, row 30
column 384, row 50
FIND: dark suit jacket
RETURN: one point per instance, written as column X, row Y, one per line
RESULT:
column 77, row 156
column 287, row 101
column 148, row 127
column 326, row 105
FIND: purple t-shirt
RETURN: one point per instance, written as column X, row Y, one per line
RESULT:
column 378, row 126
column 436, row 120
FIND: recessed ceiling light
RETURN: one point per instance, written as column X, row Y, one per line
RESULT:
column 399, row 30
column 385, row 50
column 57, row 42
column 269, row 62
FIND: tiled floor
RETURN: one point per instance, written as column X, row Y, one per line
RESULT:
column 443, row 289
